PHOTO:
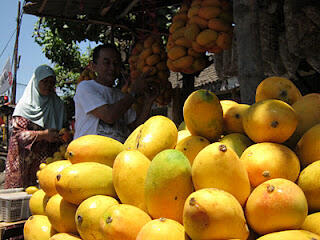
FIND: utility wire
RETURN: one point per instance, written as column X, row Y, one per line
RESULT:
column 7, row 43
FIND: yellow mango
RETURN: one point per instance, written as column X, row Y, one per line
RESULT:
column 94, row 148
column 276, row 205
column 151, row 140
column 82, row 180
column 219, row 25
column 153, row 59
column 308, row 147
column 184, row 42
column 201, row 22
column 209, row 12
column 182, row 134
column 31, row 189
column 38, row 227
column 264, row 161
column 290, row 234
column 203, row 114
column 206, row 37
column 309, row 183
column 312, row 223
column 88, row 216
column 183, row 62
column 211, row 213
column 270, row 120
column 237, row 141
column 131, row 141
column 64, row 236
column 47, row 176
column 128, row 174
column 38, row 202
column 147, row 43
column 61, row 214
column 277, row 88
column 191, row 146
column 123, row 221
column 145, row 53
column 232, row 118
column 176, row 52
column 218, row 166
column 179, row 33
column 307, row 109
column 168, row 184
column 162, row 228
column 176, row 25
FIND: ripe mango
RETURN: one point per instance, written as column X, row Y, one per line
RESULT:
column 47, row 176
column 209, row 12
column 38, row 202
column 277, row 88
column 206, row 37
column 307, row 109
column 128, row 175
column 168, row 184
column 38, row 227
column 61, row 214
column 276, row 205
column 308, row 147
column 211, row 213
column 291, row 234
column 82, row 180
column 237, row 141
column 202, row 113
column 176, row 52
column 94, row 148
column 269, row 120
column 123, row 221
column 312, row 223
column 64, row 236
column 191, row 146
column 218, row 166
column 151, row 140
column 162, row 228
column 232, row 118
column 131, row 141
column 309, row 183
column 88, row 216
column 265, row 161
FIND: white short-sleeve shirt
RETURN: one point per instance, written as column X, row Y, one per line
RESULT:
column 91, row 95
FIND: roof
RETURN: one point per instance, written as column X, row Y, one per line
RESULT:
column 207, row 76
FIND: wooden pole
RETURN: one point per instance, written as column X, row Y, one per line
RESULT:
column 15, row 59
column 250, row 65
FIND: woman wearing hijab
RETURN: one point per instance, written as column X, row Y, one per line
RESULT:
column 36, row 121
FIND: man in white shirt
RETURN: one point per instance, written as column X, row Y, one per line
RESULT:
column 104, row 110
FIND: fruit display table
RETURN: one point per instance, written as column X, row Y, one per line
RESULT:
column 11, row 229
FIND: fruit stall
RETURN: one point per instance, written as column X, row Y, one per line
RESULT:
column 232, row 150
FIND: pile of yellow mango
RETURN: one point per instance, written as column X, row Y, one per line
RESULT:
column 230, row 171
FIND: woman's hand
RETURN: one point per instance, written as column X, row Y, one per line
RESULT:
column 50, row 135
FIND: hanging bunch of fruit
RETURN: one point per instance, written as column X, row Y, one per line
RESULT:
column 204, row 26
column 87, row 74
column 149, row 57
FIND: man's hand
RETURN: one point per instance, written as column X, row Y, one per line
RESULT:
column 139, row 85
column 152, row 91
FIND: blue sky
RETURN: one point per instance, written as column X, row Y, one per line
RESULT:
column 31, row 53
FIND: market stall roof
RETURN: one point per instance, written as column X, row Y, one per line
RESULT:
column 107, row 12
